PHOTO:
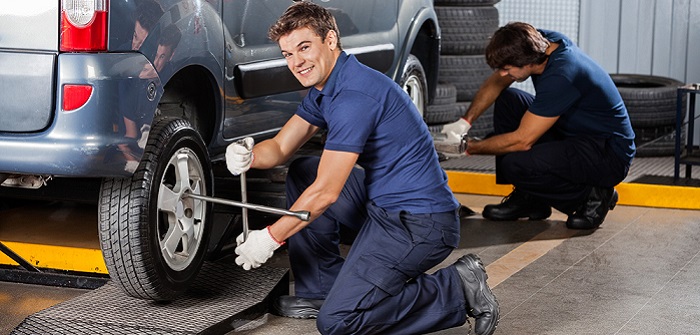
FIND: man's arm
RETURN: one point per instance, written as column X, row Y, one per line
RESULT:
column 487, row 94
column 531, row 128
column 333, row 171
column 279, row 149
column 490, row 89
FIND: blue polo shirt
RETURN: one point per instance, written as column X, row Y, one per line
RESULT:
column 584, row 97
column 365, row 112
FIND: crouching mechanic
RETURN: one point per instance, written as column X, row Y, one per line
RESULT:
column 398, row 200
column 565, row 147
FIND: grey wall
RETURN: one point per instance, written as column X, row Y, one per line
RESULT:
column 656, row 37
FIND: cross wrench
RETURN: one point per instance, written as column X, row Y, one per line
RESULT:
column 244, row 211
column 302, row 215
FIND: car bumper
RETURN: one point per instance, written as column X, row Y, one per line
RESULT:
column 93, row 140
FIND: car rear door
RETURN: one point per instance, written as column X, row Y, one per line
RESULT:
column 28, row 51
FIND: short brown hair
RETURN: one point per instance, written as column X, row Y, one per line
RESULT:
column 516, row 44
column 305, row 14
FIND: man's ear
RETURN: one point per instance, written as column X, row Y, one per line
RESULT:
column 332, row 39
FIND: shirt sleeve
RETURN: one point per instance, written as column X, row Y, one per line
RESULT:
column 352, row 119
column 555, row 95
column 310, row 112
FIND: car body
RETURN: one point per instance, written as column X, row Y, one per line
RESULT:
column 144, row 95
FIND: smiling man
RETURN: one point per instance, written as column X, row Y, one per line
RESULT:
column 378, row 175
column 565, row 147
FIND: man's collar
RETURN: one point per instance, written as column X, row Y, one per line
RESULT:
column 329, row 88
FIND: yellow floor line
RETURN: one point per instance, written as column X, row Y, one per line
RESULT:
column 57, row 257
column 632, row 194
column 528, row 252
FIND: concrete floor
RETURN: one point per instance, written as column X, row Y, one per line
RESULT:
column 636, row 274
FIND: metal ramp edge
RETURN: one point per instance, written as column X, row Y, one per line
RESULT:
column 223, row 298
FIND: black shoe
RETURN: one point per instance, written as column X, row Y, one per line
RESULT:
column 515, row 206
column 481, row 303
column 297, row 308
column 592, row 213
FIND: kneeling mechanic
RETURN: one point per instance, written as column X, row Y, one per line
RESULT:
column 397, row 200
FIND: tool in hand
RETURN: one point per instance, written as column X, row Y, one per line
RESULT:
column 244, row 210
column 302, row 215
column 451, row 147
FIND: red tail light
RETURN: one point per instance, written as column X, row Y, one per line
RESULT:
column 75, row 96
column 84, row 25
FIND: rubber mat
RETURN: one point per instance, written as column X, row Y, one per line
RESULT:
column 223, row 298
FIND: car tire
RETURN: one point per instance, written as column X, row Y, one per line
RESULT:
column 443, row 109
column 415, row 83
column 650, row 100
column 466, row 72
column 153, row 240
column 466, row 30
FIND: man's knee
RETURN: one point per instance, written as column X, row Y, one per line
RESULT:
column 302, row 171
column 327, row 325
column 509, row 108
column 510, row 168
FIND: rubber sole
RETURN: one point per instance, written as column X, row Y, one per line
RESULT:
column 476, row 266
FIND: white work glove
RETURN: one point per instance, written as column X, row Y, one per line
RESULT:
column 256, row 250
column 455, row 130
column 239, row 155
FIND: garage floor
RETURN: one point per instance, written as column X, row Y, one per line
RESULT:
column 636, row 274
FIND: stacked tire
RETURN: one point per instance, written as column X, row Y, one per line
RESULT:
column 466, row 27
column 651, row 102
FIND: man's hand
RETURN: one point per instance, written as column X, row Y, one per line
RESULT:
column 455, row 130
column 256, row 250
column 239, row 156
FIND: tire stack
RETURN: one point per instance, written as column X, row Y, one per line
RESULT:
column 466, row 27
column 651, row 104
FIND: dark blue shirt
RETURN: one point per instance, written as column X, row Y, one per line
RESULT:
column 575, row 88
column 365, row 112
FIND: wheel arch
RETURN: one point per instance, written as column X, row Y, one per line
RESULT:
column 195, row 84
column 423, row 41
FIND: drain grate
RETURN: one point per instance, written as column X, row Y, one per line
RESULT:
column 222, row 298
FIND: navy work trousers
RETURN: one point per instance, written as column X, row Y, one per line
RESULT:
column 559, row 171
column 381, row 287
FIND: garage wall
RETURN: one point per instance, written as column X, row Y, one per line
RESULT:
column 652, row 37
column 657, row 37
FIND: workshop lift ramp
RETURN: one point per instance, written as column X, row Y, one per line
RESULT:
column 223, row 298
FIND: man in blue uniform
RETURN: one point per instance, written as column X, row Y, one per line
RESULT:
column 565, row 147
column 398, row 200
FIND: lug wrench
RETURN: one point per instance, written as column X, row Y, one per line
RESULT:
column 244, row 211
column 302, row 215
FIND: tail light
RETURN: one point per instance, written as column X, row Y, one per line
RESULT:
column 84, row 25
column 75, row 96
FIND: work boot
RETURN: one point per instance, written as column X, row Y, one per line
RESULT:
column 481, row 303
column 297, row 308
column 515, row 206
column 592, row 213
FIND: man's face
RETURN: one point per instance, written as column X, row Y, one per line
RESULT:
column 163, row 55
column 516, row 73
column 310, row 58
column 139, row 35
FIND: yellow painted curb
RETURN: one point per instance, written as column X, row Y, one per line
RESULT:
column 632, row 194
column 57, row 257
